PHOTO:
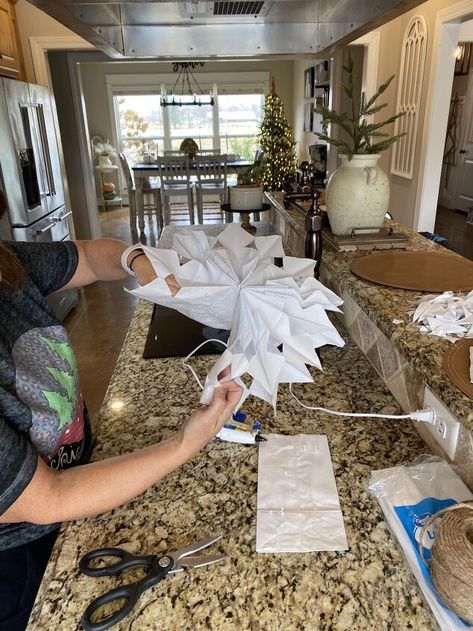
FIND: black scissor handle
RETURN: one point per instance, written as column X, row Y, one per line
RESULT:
column 130, row 593
column 126, row 560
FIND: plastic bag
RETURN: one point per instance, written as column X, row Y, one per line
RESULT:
column 408, row 496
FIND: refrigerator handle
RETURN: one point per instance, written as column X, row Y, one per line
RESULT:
column 45, row 149
column 60, row 218
column 47, row 228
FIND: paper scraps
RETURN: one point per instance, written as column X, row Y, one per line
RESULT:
column 445, row 315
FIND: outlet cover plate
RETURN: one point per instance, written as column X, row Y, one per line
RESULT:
column 448, row 442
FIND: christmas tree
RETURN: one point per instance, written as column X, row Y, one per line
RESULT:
column 277, row 142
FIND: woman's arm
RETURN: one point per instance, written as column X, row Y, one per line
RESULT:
column 101, row 260
column 95, row 488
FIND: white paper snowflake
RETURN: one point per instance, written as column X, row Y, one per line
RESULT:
column 276, row 315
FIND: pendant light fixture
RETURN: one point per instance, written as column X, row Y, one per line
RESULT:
column 186, row 90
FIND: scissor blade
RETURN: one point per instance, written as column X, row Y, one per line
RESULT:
column 194, row 547
column 200, row 561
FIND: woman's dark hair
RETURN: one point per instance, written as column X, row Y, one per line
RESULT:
column 12, row 272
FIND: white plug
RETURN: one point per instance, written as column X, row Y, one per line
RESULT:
column 427, row 415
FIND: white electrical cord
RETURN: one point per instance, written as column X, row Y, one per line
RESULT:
column 426, row 415
column 184, row 361
column 226, row 434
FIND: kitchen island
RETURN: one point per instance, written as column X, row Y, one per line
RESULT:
column 367, row 587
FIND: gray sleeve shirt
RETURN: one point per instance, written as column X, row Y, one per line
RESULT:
column 42, row 412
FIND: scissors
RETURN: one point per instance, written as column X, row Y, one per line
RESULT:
column 158, row 568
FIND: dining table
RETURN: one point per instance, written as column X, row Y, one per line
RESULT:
column 144, row 170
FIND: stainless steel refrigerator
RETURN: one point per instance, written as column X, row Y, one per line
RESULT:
column 30, row 173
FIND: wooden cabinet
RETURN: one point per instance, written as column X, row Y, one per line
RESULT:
column 11, row 59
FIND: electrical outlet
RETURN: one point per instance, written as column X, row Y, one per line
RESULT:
column 446, row 428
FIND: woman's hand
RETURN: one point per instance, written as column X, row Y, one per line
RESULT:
column 145, row 274
column 206, row 421
column 172, row 284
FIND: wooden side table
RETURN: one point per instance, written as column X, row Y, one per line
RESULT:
column 113, row 173
column 245, row 215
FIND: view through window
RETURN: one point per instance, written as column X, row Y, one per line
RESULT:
column 140, row 126
column 239, row 119
column 191, row 121
column 145, row 128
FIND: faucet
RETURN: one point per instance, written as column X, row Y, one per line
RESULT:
column 306, row 191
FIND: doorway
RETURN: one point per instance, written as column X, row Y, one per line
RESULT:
column 454, row 220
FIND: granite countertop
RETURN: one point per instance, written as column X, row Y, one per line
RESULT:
column 385, row 304
column 368, row 587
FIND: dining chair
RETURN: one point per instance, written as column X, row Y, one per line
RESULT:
column 149, row 189
column 208, row 152
column 211, row 173
column 174, row 173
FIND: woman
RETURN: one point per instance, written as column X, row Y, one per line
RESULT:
column 45, row 437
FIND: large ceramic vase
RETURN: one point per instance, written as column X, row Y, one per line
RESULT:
column 357, row 196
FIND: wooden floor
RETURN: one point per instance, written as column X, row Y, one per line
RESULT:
column 451, row 224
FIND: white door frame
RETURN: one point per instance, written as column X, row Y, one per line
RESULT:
column 39, row 46
column 447, row 33
column 370, row 76
column 84, row 146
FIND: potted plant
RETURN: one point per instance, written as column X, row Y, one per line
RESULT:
column 357, row 195
column 247, row 195
column 104, row 150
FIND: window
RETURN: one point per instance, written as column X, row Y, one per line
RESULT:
column 140, row 125
column 191, row 121
column 143, row 127
column 239, row 119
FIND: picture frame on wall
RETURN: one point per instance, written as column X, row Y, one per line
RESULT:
column 321, row 94
column 322, row 72
column 308, row 116
column 317, row 123
column 309, row 83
